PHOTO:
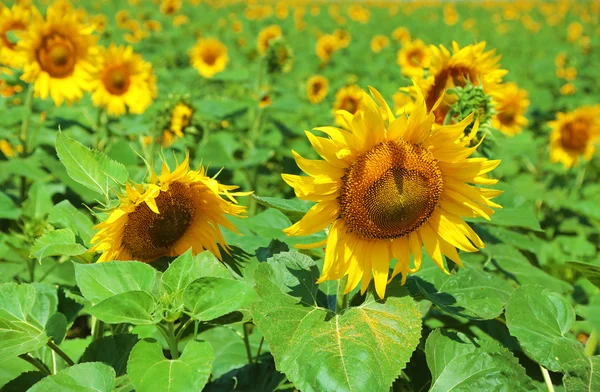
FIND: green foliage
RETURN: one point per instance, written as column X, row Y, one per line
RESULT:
column 85, row 377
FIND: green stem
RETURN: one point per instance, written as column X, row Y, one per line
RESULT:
column 547, row 379
column 262, row 339
column 168, row 333
column 247, row 341
column 36, row 363
column 341, row 299
column 97, row 329
column 60, row 352
column 181, row 329
column 24, row 134
column 31, row 267
column 592, row 343
column 578, row 181
column 119, row 329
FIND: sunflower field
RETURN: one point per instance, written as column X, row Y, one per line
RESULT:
column 302, row 195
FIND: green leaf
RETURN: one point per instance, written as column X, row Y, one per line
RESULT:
column 23, row 382
column 208, row 298
column 150, row 371
column 470, row 292
column 458, row 363
column 85, row 377
column 8, row 209
column 582, row 374
column 363, row 349
column 134, row 307
column 292, row 208
column 66, row 216
column 24, row 311
column 112, row 350
column 90, row 168
column 59, row 242
column 590, row 271
column 56, row 327
column 100, row 281
column 541, row 321
column 38, row 202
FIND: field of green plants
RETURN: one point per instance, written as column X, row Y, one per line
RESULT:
column 299, row 196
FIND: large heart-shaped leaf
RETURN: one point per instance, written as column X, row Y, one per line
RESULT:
column 134, row 307
column 85, row 377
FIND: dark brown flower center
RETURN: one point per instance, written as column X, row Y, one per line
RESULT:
column 574, row 135
column 117, row 79
column 57, row 56
column 390, row 191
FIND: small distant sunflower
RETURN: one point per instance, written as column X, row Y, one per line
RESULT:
column 174, row 212
column 327, row 44
column 574, row 135
column 170, row 7
column 209, row 56
column 413, row 58
column 449, row 70
column 317, row 88
column 13, row 20
column 401, row 35
column 123, row 80
column 58, row 54
column 510, row 103
column 387, row 188
column 266, row 35
column 343, row 37
column 348, row 99
column 181, row 117
column 379, row 42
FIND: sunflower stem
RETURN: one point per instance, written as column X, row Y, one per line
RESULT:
column 247, row 341
column 578, row 181
column 60, row 352
column 36, row 363
column 547, row 379
column 592, row 343
column 25, row 133
column 341, row 298
column 97, row 329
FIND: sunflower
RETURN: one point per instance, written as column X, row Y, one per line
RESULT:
column 327, row 44
column 209, row 56
column 386, row 188
column 449, row 70
column 181, row 117
column 58, row 54
column 266, row 35
column 123, row 80
column 379, row 42
column 510, row 103
column 348, row 99
column 401, row 34
column 413, row 58
column 13, row 20
column 317, row 88
column 343, row 38
column 170, row 7
column 176, row 211
column 574, row 134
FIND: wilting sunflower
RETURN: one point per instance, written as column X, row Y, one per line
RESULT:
column 266, row 35
column 209, row 56
column 317, row 88
column 379, row 42
column 574, row 135
column 386, row 188
column 327, row 44
column 123, row 80
column 510, row 103
column 348, row 99
column 14, row 20
column 413, row 58
column 449, row 70
column 176, row 211
column 58, row 54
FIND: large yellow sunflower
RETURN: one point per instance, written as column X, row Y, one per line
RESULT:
column 317, row 88
column 176, row 211
column 510, row 103
column 349, row 99
column 14, row 20
column 413, row 58
column 266, row 35
column 58, row 54
column 449, row 70
column 123, row 80
column 574, row 135
column 387, row 188
column 209, row 56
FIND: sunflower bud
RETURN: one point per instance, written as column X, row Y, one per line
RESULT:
column 279, row 56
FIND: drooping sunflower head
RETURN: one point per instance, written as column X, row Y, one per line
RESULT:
column 209, row 56
column 388, row 186
column 123, row 80
column 448, row 70
column 176, row 211
column 13, row 21
column 379, row 42
column 266, row 35
column 574, row 135
column 317, row 88
column 58, row 54
column 414, row 58
column 348, row 99
column 327, row 44
column 510, row 103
